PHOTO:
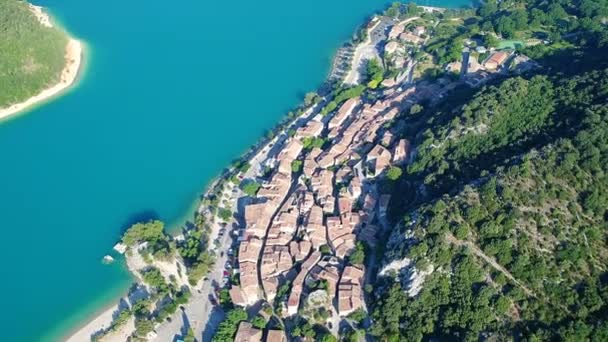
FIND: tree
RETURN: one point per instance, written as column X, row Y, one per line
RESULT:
column 225, row 299
column 143, row 327
column 190, row 336
column 191, row 248
column 322, row 284
column 228, row 327
column 308, row 331
column 121, row 319
column 393, row 11
column 311, row 98
column 357, row 257
column 308, row 143
column 351, row 336
column 181, row 297
column 375, row 73
column 250, row 187
column 505, row 27
column 394, row 173
column 357, row 316
column 243, row 166
column 537, row 17
column 296, row 166
column 224, row 214
column 415, row 109
column 259, row 322
column 154, row 278
column 556, row 12
column 342, row 95
column 328, row 338
column 151, row 231
column 200, row 267
column 488, row 8
column 141, row 308
column 325, row 250
column 520, row 19
column 490, row 41
column 413, row 9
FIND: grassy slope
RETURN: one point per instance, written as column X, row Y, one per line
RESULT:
column 31, row 55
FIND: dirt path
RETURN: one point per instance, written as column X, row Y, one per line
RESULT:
column 478, row 252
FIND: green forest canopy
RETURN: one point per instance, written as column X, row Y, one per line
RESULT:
column 31, row 55
column 525, row 189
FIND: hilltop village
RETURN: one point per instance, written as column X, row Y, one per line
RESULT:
column 285, row 244
column 307, row 228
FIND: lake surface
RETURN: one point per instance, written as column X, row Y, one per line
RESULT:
column 173, row 91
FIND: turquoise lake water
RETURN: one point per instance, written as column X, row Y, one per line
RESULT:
column 173, row 91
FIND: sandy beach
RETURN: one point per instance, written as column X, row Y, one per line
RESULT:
column 73, row 62
column 103, row 321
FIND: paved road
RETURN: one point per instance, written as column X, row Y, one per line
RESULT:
column 198, row 313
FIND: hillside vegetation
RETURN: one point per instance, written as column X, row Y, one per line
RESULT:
column 31, row 55
column 505, row 206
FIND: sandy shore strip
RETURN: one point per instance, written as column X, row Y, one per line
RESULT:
column 73, row 59
column 73, row 62
column 103, row 321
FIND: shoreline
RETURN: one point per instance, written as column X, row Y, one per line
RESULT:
column 103, row 318
column 73, row 66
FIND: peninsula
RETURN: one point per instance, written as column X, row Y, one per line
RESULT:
column 39, row 59
column 447, row 182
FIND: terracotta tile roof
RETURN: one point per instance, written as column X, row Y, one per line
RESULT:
column 247, row 333
column 345, row 110
column 276, row 336
column 275, row 261
column 391, row 47
column 237, row 296
column 410, row 37
column 293, row 302
column 396, row 30
column 312, row 128
column 345, row 205
column 300, row 250
column 271, row 285
column 496, row 59
column 401, row 151
column 349, row 290
column 250, row 250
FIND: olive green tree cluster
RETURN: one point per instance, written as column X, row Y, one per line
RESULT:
column 31, row 55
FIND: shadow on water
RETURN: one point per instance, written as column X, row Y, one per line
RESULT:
column 142, row 216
